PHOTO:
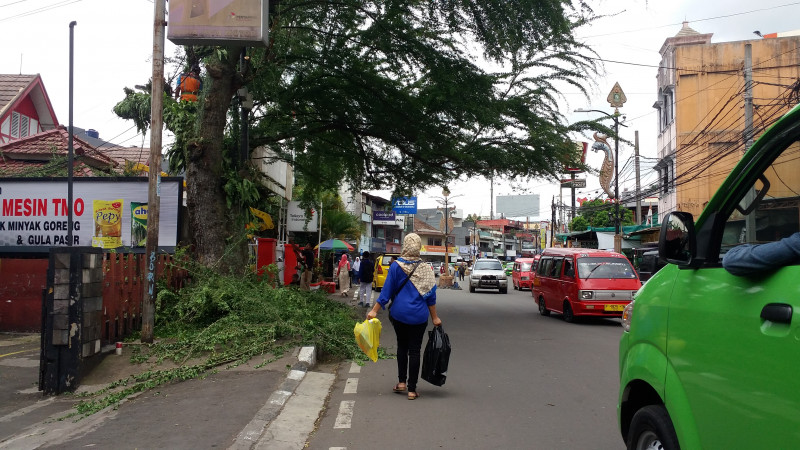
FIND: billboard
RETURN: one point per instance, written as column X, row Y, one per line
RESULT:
column 518, row 205
column 218, row 22
column 296, row 218
column 404, row 205
column 106, row 212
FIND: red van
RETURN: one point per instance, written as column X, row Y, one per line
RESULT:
column 583, row 282
column 522, row 273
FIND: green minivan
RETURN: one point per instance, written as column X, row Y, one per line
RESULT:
column 709, row 360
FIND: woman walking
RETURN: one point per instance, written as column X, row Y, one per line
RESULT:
column 413, row 289
column 343, row 273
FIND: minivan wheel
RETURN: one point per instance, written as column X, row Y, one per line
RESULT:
column 652, row 429
column 543, row 308
column 569, row 316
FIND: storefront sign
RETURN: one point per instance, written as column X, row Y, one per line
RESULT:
column 34, row 213
column 383, row 218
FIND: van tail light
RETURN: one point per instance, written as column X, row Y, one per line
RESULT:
column 380, row 269
column 627, row 315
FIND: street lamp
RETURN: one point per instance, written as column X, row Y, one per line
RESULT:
column 446, row 201
column 615, row 117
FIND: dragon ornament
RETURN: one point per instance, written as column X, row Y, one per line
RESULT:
column 607, row 169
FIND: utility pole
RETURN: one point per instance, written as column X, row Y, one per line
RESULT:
column 553, row 222
column 638, row 181
column 154, row 173
column 750, row 219
column 491, row 197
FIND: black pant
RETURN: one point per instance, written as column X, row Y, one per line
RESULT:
column 409, row 344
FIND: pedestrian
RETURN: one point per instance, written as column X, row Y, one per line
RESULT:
column 189, row 85
column 365, row 276
column 461, row 270
column 308, row 268
column 411, row 295
column 343, row 274
column 356, row 266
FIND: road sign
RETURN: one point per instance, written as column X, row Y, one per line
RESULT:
column 568, row 183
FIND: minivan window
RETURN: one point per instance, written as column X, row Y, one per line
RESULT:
column 569, row 271
column 544, row 266
column 555, row 269
column 386, row 260
column 605, row 267
column 524, row 267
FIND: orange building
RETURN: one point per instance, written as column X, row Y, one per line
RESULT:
column 701, row 104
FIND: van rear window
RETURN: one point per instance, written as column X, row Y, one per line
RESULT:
column 525, row 267
column 599, row 267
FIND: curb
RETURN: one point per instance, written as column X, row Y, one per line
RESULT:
column 252, row 432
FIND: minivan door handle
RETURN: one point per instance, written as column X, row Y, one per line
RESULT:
column 777, row 312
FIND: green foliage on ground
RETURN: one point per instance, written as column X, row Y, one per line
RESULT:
column 221, row 321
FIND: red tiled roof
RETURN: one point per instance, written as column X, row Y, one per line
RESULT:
column 11, row 86
column 123, row 154
column 54, row 143
column 12, row 168
column 422, row 227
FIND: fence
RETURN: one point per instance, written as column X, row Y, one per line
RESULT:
column 22, row 284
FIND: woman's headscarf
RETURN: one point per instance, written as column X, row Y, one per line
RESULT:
column 423, row 278
column 343, row 262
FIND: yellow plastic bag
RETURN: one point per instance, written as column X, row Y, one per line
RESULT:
column 368, row 335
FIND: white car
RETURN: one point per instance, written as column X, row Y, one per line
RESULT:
column 488, row 273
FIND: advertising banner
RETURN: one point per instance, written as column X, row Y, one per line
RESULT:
column 404, row 205
column 107, row 213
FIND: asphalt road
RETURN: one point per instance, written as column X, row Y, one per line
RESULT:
column 515, row 380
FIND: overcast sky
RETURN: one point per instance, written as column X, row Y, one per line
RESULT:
column 114, row 42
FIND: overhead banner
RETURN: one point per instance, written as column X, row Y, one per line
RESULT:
column 404, row 205
column 106, row 213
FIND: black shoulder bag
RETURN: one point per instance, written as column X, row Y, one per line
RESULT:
column 408, row 277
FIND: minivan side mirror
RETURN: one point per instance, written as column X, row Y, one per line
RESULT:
column 677, row 243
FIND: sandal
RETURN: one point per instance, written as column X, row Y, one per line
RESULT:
column 399, row 389
column 412, row 395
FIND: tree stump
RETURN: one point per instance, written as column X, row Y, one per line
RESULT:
column 445, row 281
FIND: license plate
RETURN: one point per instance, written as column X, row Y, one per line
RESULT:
column 613, row 307
column 490, row 283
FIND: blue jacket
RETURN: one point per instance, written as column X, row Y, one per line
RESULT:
column 749, row 259
column 409, row 307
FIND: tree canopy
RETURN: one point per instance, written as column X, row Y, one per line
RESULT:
column 599, row 214
column 384, row 94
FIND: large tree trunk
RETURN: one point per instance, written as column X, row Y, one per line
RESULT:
column 212, row 222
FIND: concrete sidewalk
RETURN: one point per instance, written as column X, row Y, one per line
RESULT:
column 275, row 406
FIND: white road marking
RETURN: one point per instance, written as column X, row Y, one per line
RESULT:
column 351, row 387
column 355, row 368
column 345, row 417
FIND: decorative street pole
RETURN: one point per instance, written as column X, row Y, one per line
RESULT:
column 616, row 98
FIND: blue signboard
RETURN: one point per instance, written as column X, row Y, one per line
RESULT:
column 404, row 205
